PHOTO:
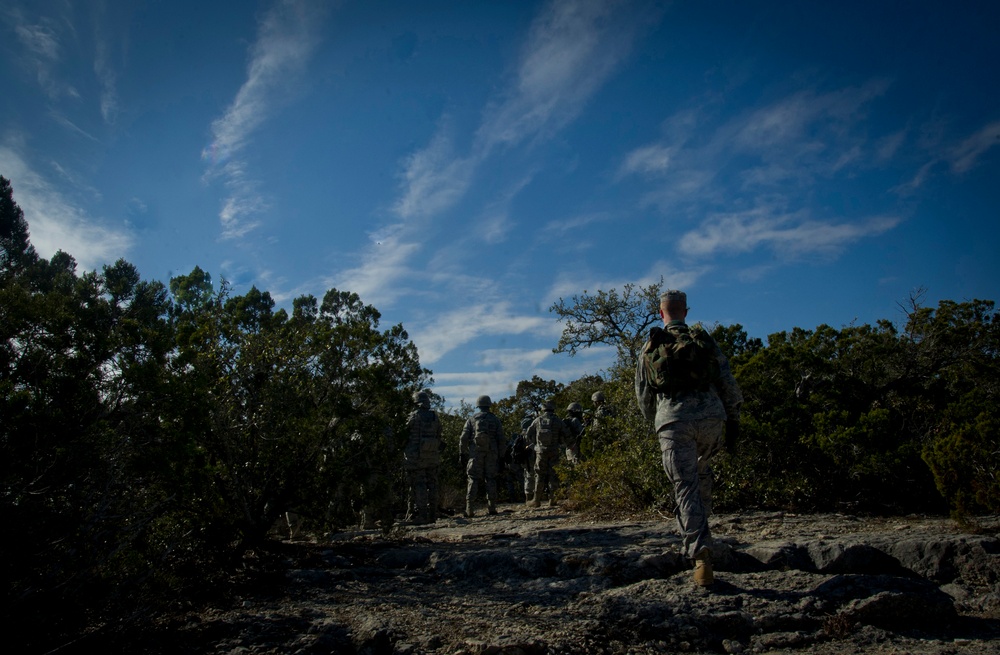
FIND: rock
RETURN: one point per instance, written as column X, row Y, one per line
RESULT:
column 547, row 583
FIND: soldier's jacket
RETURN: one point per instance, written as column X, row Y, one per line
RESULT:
column 722, row 400
column 482, row 436
column 423, row 445
column 548, row 431
column 575, row 426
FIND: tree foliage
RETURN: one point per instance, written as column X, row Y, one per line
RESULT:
column 874, row 418
column 621, row 320
column 151, row 435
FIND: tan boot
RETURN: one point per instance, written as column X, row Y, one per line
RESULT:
column 703, row 574
column 536, row 501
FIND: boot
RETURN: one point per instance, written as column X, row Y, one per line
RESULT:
column 491, row 507
column 552, row 502
column 468, row 510
column 536, row 501
column 703, row 575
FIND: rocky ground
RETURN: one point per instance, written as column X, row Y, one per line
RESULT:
column 534, row 581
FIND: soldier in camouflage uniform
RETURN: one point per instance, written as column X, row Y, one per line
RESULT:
column 422, row 457
column 522, row 458
column 691, row 427
column 482, row 445
column 548, row 435
column 597, row 427
column 574, row 421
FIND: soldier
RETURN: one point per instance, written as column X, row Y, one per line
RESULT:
column 574, row 421
column 597, row 427
column 521, row 457
column 683, row 383
column 422, row 457
column 548, row 434
column 482, row 445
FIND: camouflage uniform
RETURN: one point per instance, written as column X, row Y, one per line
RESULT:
column 482, row 441
column 522, row 458
column 598, row 425
column 548, row 435
column 421, row 459
column 574, row 421
column 691, row 428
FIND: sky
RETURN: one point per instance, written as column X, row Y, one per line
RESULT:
column 463, row 165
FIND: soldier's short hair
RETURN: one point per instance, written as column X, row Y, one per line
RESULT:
column 674, row 299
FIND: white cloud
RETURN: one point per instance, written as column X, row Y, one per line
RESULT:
column 42, row 52
column 791, row 235
column 964, row 155
column 572, row 47
column 799, row 120
column 55, row 223
column 286, row 38
column 502, row 370
column 433, row 179
column 383, row 264
column 108, row 80
column 571, row 50
column 646, row 160
column 460, row 326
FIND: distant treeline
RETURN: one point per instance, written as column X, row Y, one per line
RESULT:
column 151, row 434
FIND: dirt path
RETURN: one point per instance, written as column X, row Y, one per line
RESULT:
column 547, row 581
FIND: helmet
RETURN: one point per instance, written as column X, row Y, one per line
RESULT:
column 421, row 398
column 548, row 406
column 483, row 401
column 575, row 408
column 598, row 397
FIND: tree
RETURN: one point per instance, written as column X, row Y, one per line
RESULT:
column 81, row 362
column 16, row 251
column 302, row 412
column 609, row 318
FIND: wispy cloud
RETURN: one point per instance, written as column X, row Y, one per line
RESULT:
column 108, row 80
column 433, row 179
column 646, row 160
column 965, row 155
column 55, row 222
column 572, row 48
column 385, row 259
column 500, row 371
column 803, row 136
column 788, row 235
column 795, row 142
column 41, row 52
column 460, row 326
column 286, row 39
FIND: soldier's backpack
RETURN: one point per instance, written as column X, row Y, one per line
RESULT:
column 484, row 429
column 518, row 450
column 680, row 359
column 546, row 436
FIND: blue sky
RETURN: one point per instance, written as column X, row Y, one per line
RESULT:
column 462, row 165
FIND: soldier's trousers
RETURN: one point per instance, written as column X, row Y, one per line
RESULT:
column 546, row 480
column 481, row 467
column 424, row 492
column 528, row 476
column 687, row 448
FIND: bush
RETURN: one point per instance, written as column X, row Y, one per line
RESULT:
column 965, row 461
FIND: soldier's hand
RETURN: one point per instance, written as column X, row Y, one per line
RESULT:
column 732, row 434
